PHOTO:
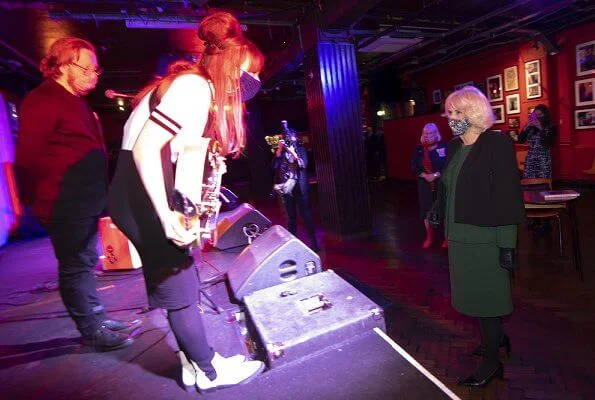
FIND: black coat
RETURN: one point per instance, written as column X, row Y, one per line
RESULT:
column 488, row 191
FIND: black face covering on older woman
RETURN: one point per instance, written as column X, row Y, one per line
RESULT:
column 249, row 86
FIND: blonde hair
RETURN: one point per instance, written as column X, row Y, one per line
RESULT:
column 434, row 133
column 473, row 104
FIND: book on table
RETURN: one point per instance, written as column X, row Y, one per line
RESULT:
column 566, row 194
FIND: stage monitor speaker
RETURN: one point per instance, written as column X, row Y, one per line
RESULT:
column 273, row 258
column 239, row 226
column 309, row 315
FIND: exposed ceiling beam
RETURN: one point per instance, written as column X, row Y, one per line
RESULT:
column 334, row 14
column 151, row 17
column 490, row 35
column 462, row 27
column 391, row 29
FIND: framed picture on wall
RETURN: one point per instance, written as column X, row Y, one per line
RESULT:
column 514, row 135
column 514, row 122
column 437, row 96
column 533, row 79
column 498, row 113
column 462, row 85
column 583, row 91
column 585, row 58
column 513, row 104
column 584, row 119
column 494, row 87
column 511, row 78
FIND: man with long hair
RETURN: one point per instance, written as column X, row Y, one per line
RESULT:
column 61, row 166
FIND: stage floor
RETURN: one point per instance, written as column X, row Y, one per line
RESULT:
column 552, row 326
column 42, row 356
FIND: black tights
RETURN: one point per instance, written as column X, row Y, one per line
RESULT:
column 491, row 335
column 186, row 324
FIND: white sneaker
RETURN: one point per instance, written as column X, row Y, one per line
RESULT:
column 189, row 371
column 230, row 371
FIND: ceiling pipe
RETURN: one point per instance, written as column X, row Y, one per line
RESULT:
column 460, row 28
column 181, row 19
column 430, row 65
column 559, row 5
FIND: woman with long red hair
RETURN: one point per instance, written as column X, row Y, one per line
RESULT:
column 196, row 100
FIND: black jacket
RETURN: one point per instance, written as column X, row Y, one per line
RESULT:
column 488, row 191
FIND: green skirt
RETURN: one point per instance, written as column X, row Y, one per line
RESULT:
column 479, row 286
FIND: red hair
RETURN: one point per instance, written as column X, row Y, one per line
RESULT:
column 225, row 51
column 63, row 51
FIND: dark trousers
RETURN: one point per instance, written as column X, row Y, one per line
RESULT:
column 74, row 243
column 299, row 199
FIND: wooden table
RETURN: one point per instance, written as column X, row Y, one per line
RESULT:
column 534, row 200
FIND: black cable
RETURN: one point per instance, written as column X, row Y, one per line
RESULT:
column 152, row 345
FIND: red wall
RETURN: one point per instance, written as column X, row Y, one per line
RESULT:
column 575, row 149
column 401, row 136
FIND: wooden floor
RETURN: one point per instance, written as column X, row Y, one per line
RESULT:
column 552, row 328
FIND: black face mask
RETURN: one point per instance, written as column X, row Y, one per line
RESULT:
column 249, row 86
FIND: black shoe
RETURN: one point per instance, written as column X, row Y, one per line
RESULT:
column 116, row 325
column 505, row 342
column 472, row 381
column 104, row 339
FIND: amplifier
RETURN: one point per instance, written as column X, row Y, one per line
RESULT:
column 118, row 251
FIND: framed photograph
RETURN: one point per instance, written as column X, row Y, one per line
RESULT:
column 494, row 85
column 583, row 91
column 514, row 122
column 498, row 113
column 437, row 96
column 585, row 58
column 511, row 78
column 533, row 79
column 514, row 135
column 462, row 85
column 584, row 119
column 513, row 104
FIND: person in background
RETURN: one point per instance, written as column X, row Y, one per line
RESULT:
column 480, row 198
column 427, row 163
column 195, row 101
column 290, row 164
column 61, row 166
column 540, row 135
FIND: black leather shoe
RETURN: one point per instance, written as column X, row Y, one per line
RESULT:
column 472, row 381
column 116, row 325
column 104, row 339
column 505, row 342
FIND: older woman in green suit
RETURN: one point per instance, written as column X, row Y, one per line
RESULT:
column 481, row 200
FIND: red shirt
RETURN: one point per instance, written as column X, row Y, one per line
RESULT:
column 61, row 162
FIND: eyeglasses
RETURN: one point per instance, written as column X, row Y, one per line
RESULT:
column 88, row 71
